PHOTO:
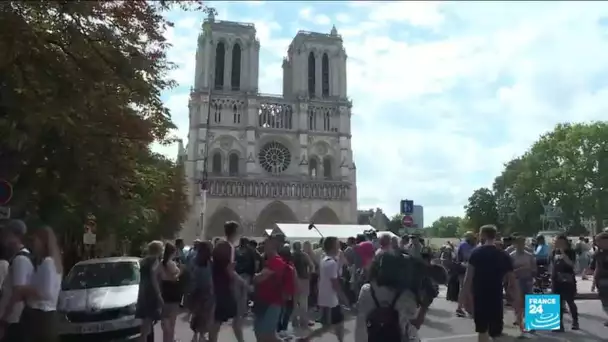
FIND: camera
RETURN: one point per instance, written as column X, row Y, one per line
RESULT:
column 370, row 234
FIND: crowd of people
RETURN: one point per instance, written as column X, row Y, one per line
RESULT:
column 481, row 266
column 386, row 283
column 283, row 283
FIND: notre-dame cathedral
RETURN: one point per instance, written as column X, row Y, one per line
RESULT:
column 271, row 158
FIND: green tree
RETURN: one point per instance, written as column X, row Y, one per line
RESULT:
column 395, row 225
column 80, row 102
column 445, row 227
column 481, row 208
column 517, row 202
column 158, row 204
column 566, row 168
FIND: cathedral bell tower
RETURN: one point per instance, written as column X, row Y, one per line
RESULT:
column 315, row 66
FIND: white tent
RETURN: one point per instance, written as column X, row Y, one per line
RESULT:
column 299, row 231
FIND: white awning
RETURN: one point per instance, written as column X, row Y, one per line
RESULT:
column 295, row 231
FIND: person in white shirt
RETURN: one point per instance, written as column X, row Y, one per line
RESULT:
column 19, row 274
column 42, row 292
column 330, row 292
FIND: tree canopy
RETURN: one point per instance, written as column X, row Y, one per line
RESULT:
column 566, row 168
column 80, row 104
column 447, row 226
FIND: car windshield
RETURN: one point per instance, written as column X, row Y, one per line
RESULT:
column 103, row 274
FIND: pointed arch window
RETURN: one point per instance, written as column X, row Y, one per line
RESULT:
column 311, row 75
column 235, row 79
column 236, row 114
column 216, row 165
column 233, row 164
column 325, row 75
column 313, row 168
column 220, row 60
column 327, row 171
column 217, row 115
column 327, row 121
column 312, row 122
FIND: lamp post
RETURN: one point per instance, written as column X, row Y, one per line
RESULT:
column 211, row 12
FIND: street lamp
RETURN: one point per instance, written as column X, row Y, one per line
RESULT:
column 211, row 13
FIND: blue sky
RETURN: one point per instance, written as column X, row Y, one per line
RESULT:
column 444, row 93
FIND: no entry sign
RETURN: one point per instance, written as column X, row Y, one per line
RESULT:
column 6, row 192
column 407, row 221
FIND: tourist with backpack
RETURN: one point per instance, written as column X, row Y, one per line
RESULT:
column 270, row 292
column 393, row 305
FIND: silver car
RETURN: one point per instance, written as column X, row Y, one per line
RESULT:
column 98, row 298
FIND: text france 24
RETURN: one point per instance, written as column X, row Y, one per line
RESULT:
column 542, row 312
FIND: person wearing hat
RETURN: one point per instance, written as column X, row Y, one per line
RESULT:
column 20, row 271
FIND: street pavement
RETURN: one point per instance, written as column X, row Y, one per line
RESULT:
column 442, row 325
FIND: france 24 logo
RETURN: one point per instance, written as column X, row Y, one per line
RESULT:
column 542, row 312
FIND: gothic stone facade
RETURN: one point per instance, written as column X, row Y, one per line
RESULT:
column 270, row 158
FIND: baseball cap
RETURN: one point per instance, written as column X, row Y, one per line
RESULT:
column 15, row 227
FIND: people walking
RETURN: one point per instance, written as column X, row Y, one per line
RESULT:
column 21, row 269
column 149, row 299
column 269, row 293
column 482, row 292
column 563, row 280
column 42, row 292
column 171, row 291
column 200, row 296
column 303, row 266
column 330, row 293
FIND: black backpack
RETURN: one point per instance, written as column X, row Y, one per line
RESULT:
column 301, row 265
column 245, row 262
column 23, row 252
column 383, row 321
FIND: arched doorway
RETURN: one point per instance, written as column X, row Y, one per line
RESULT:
column 215, row 225
column 325, row 216
column 275, row 212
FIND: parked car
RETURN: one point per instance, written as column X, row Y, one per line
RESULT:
column 97, row 300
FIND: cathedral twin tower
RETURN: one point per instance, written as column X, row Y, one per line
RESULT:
column 271, row 159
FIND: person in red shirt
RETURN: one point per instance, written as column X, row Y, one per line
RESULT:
column 365, row 250
column 269, row 294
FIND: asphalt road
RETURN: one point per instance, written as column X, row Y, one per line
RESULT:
column 442, row 325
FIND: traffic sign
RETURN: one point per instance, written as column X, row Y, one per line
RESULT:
column 407, row 207
column 407, row 221
column 89, row 238
column 6, row 192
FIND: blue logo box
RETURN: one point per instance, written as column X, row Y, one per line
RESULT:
column 542, row 312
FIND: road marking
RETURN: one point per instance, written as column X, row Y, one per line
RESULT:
column 445, row 338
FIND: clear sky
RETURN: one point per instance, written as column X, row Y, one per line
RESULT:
column 444, row 93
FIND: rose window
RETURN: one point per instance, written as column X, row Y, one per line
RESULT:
column 274, row 157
